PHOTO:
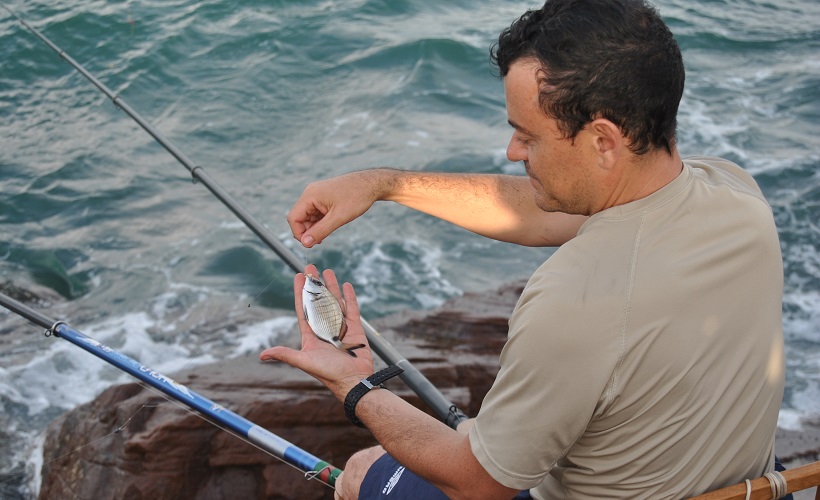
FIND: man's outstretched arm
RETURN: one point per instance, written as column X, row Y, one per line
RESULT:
column 501, row 207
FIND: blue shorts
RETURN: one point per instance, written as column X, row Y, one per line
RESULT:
column 388, row 477
column 389, row 480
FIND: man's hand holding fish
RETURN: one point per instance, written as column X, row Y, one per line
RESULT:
column 408, row 434
column 334, row 367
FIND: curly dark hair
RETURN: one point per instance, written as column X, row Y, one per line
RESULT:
column 614, row 59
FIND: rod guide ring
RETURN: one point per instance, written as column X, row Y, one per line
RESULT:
column 53, row 330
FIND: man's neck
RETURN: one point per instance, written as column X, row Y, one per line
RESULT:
column 644, row 175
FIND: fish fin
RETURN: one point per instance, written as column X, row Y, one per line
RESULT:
column 343, row 331
column 351, row 347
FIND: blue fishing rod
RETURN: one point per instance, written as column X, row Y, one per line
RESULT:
column 313, row 467
column 446, row 410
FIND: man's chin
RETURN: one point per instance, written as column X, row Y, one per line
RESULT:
column 546, row 205
column 551, row 205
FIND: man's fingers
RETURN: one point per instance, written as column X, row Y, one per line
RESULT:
column 351, row 302
column 316, row 233
column 298, row 284
column 280, row 353
column 300, row 217
column 332, row 285
column 303, row 219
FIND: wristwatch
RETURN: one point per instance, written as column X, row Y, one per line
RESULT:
column 374, row 381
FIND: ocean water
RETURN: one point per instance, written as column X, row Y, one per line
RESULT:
column 270, row 95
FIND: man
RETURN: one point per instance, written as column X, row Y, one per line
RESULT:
column 644, row 357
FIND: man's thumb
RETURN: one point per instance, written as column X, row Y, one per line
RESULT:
column 317, row 232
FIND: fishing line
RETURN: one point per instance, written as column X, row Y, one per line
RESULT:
column 276, row 279
column 260, row 293
column 263, row 291
column 118, row 430
column 411, row 375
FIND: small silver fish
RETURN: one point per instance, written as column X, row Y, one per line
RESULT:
column 324, row 315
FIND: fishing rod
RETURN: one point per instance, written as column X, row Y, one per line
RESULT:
column 223, row 418
column 445, row 409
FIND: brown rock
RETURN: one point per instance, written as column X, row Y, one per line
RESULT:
column 130, row 443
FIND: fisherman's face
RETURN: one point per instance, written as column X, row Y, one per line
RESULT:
column 559, row 169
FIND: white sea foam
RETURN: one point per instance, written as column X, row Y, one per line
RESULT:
column 6, row 389
column 420, row 270
column 804, row 391
column 804, row 323
column 789, row 419
column 64, row 376
column 259, row 336
column 34, row 464
column 801, row 326
column 231, row 224
column 699, row 126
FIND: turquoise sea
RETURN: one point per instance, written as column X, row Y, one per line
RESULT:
column 270, row 95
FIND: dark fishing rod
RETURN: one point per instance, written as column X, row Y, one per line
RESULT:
column 428, row 393
column 244, row 429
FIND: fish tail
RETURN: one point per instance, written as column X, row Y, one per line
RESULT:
column 351, row 347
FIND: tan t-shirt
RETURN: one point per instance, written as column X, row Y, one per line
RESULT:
column 645, row 356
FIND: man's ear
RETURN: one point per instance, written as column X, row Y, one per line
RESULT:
column 607, row 142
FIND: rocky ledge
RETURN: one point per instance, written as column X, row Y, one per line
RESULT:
column 130, row 443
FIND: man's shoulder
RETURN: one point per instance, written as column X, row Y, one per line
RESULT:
column 579, row 283
column 722, row 172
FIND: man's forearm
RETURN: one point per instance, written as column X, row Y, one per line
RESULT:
column 501, row 207
column 427, row 447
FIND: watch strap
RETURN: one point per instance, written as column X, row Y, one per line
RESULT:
column 366, row 385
